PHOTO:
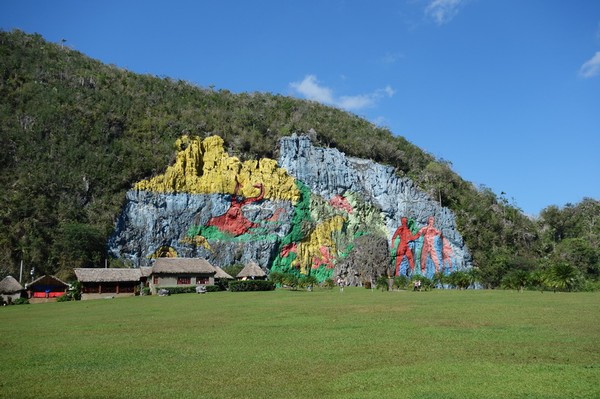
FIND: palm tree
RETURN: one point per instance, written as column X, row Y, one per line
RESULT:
column 563, row 276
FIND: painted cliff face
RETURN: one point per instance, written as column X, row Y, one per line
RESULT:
column 301, row 214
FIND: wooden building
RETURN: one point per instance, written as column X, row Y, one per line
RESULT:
column 177, row 272
column 46, row 289
column 102, row 283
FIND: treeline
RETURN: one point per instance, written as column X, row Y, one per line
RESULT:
column 76, row 134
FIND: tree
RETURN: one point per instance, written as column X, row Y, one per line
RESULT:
column 562, row 276
column 369, row 258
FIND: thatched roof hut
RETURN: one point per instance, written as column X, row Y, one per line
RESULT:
column 47, row 282
column 86, row 275
column 10, row 285
column 10, row 289
column 182, row 266
column 252, row 271
column 46, row 287
column 96, row 283
column 222, row 274
column 145, row 271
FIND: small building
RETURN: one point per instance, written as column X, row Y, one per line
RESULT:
column 46, row 289
column 178, row 272
column 221, row 274
column 10, row 290
column 102, row 283
column 252, row 272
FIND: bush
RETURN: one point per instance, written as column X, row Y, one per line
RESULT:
column 188, row 289
column 382, row 283
column 400, row 282
column 251, row 285
column 328, row 283
column 215, row 288
column 65, row 298
column 21, row 301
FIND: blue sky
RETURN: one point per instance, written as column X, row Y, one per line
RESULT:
column 508, row 91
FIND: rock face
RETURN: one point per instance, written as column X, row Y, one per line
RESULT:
column 301, row 214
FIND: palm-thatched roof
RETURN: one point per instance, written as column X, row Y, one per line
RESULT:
column 145, row 271
column 222, row 274
column 10, row 285
column 89, row 275
column 251, row 270
column 183, row 266
column 47, row 280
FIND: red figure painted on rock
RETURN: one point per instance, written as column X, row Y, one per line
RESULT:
column 429, row 233
column 447, row 254
column 403, row 249
column 342, row 203
column 325, row 259
column 233, row 221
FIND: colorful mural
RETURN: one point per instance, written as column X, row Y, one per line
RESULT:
column 209, row 204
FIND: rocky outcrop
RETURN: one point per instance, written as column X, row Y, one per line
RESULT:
column 299, row 214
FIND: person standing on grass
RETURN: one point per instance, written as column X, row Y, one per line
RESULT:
column 341, row 284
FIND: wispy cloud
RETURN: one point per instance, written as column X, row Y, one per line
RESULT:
column 390, row 58
column 443, row 11
column 591, row 67
column 312, row 89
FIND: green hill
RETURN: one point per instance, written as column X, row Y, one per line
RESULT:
column 76, row 134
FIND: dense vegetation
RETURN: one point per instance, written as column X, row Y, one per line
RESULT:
column 76, row 134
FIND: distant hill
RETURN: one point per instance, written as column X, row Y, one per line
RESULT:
column 76, row 135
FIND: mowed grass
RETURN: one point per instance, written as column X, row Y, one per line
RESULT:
column 322, row 344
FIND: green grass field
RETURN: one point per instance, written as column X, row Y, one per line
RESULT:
column 322, row 344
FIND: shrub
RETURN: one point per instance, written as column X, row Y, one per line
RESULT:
column 65, row 298
column 21, row 301
column 251, row 285
column 328, row 283
column 382, row 283
column 400, row 282
column 188, row 289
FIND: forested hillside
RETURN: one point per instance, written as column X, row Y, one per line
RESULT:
column 76, row 134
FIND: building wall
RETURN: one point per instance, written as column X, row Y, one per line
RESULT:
column 12, row 297
column 158, row 281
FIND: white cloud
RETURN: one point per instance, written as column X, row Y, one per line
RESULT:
column 591, row 67
column 390, row 58
column 311, row 89
column 443, row 11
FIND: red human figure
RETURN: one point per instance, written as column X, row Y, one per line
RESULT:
column 447, row 253
column 429, row 233
column 325, row 259
column 233, row 221
column 403, row 249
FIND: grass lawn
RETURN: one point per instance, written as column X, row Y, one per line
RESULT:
column 321, row 344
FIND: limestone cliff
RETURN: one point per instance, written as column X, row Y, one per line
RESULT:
column 299, row 214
